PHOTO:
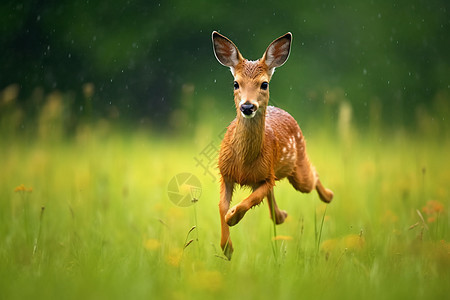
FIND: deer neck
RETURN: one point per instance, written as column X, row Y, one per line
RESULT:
column 248, row 137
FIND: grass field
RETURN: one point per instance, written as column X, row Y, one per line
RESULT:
column 89, row 217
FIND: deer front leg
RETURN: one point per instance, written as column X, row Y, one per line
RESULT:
column 236, row 213
column 226, row 191
column 277, row 215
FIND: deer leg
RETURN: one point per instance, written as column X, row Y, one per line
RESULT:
column 304, row 178
column 305, row 182
column 326, row 195
column 236, row 213
column 226, row 191
column 277, row 215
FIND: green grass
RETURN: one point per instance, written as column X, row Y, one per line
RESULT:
column 109, row 230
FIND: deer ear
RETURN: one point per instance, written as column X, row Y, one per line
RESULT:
column 225, row 51
column 278, row 52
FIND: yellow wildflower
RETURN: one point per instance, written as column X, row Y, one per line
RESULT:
column 207, row 280
column 282, row 238
column 152, row 244
column 350, row 242
column 174, row 256
column 354, row 242
column 22, row 188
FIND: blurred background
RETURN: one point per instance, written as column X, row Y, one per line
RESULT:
column 105, row 104
column 150, row 64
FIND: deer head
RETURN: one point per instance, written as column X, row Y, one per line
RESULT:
column 251, row 78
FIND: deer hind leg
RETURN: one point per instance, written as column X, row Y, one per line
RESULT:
column 226, row 192
column 326, row 195
column 277, row 215
column 304, row 178
column 236, row 213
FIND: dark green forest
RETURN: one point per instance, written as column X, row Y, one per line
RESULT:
column 142, row 61
column 110, row 109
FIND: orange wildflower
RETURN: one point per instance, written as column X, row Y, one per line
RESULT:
column 433, row 209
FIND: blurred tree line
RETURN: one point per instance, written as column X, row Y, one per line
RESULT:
column 139, row 60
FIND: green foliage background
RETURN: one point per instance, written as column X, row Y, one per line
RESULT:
column 103, row 103
column 387, row 56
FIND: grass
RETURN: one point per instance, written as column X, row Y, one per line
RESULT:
column 93, row 220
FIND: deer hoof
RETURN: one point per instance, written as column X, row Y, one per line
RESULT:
column 281, row 217
column 234, row 215
column 228, row 251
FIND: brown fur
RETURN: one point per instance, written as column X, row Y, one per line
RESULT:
column 258, row 151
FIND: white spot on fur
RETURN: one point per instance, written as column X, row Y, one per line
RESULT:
column 291, row 144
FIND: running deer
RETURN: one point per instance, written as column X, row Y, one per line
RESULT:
column 263, row 143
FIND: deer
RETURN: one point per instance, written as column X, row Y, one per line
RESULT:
column 263, row 144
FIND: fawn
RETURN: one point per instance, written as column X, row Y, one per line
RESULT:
column 263, row 143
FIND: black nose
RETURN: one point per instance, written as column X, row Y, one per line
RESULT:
column 247, row 109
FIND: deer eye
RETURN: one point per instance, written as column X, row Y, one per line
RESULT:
column 264, row 85
column 236, row 85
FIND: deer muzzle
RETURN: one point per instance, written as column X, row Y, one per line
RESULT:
column 248, row 109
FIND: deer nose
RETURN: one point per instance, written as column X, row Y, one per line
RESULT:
column 247, row 109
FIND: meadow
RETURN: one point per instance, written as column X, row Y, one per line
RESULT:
column 87, row 215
